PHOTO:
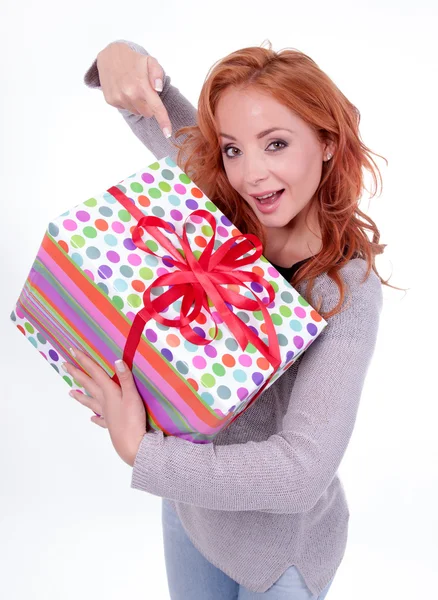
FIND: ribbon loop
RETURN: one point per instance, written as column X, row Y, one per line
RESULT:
column 211, row 272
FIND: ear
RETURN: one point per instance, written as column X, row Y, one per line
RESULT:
column 329, row 147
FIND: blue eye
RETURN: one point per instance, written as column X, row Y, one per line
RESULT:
column 284, row 145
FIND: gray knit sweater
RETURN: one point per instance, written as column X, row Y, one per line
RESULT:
column 265, row 494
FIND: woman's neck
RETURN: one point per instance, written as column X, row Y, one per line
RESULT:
column 285, row 246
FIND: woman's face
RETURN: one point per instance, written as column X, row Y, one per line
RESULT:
column 289, row 158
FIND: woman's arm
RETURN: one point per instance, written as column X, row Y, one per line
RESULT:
column 290, row 471
column 181, row 112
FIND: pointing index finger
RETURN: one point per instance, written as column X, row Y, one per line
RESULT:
column 154, row 103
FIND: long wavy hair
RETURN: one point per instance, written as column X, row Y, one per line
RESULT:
column 296, row 81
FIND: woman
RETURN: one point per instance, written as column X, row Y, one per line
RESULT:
column 261, row 512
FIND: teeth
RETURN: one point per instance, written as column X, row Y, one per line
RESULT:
column 263, row 197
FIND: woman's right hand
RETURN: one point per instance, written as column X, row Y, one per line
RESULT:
column 128, row 79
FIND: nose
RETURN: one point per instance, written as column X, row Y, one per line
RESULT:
column 255, row 168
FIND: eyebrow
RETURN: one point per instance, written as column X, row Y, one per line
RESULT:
column 259, row 135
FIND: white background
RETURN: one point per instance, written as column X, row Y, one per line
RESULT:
column 70, row 525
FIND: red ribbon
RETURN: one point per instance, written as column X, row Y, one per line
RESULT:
column 196, row 281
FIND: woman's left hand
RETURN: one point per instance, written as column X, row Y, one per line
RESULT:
column 121, row 408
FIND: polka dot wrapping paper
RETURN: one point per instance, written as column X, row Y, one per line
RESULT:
column 87, row 285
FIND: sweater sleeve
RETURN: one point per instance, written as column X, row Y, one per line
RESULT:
column 181, row 112
column 288, row 472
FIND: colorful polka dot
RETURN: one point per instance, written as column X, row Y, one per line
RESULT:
column 173, row 340
column 298, row 341
column 101, row 224
column 218, row 369
column 89, row 232
column 113, row 256
column 240, row 376
column 126, row 271
column 53, row 229
column 285, row 311
column 53, row 355
column 151, row 335
column 282, row 339
column 192, row 204
column 208, row 398
column 152, row 245
column 92, row 252
column 83, row 215
column 210, row 351
column 134, row 300
column 174, row 200
column 263, row 363
column 154, row 193
column 179, row 189
column 70, row 225
column 167, row 174
column 103, row 287
column 78, row 258
column 120, row 285
column 148, row 178
column 138, row 286
column 312, row 329
column 105, row 271
column 41, row 338
column 110, row 240
column 245, row 360
column 208, row 380
column 106, row 211
column 257, row 378
column 199, row 362
column 242, row 393
column 158, row 211
column 146, row 273
column 134, row 259
column 117, row 227
column 182, row 367
column 228, row 360
column 295, row 325
column 118, row 302
column 224, row 392
column 167, row 354
column 124, row 216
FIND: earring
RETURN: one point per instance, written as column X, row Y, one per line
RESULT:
column 328, row 156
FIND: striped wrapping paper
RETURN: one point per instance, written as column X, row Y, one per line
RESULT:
column 86, row 287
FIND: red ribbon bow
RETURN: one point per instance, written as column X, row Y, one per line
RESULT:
column 196, row 281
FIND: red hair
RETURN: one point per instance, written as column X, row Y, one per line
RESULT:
column 296, row 81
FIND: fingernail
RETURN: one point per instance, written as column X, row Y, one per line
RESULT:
column 64, row 367
column 166, row 132
column 72, row 352
column 120, row 366
column 158, row 85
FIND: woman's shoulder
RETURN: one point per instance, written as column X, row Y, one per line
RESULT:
column 353, row 273
column 360, row 286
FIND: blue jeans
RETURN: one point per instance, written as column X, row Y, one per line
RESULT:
column 191, row 576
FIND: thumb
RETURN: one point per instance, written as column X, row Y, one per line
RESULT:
column 126, row 379
column 156, row 74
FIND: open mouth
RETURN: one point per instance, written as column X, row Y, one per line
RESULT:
column 270, row 199
column 266, row 203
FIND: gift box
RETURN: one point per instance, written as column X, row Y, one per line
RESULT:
column 153, row 271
